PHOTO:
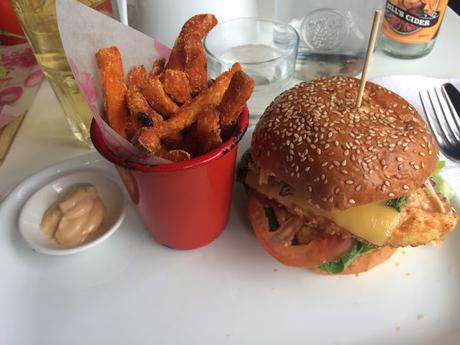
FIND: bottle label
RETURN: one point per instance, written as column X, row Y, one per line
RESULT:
column 413, row 21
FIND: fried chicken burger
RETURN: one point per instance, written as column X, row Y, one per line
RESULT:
column 338, row 189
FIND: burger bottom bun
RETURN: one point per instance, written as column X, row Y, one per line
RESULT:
column 365, row 262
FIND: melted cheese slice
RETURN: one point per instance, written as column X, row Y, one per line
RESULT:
column 373, row 222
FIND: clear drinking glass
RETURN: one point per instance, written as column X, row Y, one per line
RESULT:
column 333, row 34
column 266, row 50
column 38, row 20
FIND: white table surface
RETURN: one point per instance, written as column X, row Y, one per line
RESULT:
column 44, row 137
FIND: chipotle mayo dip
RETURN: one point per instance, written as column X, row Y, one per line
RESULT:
column 74, row 218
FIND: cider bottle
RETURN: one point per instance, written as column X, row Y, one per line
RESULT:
column 410, row 27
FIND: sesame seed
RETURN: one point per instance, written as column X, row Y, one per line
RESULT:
column 351, row 201
column 391, row 195
column 349, row 181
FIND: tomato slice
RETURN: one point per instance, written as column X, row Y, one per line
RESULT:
column 277, row 243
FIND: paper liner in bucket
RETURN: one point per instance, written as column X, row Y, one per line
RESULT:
column 83, row 32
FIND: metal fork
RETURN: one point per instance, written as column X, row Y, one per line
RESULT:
column 443, row 120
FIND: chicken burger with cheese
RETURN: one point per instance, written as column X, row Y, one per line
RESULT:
column 338, row 189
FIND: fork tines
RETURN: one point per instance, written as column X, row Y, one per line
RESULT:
column 443, row 120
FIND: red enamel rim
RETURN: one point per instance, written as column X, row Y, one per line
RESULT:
column 229, row 144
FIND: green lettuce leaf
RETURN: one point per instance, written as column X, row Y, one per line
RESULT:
column 397, row 203
column 440, row 185
column 339, row 265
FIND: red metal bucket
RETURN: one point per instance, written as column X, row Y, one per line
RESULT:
column 184, row 205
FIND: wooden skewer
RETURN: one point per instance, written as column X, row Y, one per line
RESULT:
column 370, row 49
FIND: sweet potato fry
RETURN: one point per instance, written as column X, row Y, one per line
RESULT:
column 111, row 72
column 196, row 63
column 147, row 139
column 213, row 95
column 208, row 129
column 158, row 99
column 176, row 155
column 237, row 94
column 141, row 113
column 150, row 138
column 173, row 141
column 190, row 142
column 137, row 77
column 199, row 24
column 157, row 67
column 176, row 85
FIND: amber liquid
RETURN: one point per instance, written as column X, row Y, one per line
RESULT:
column 38, row 20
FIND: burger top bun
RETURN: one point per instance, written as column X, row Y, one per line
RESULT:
column 315, row 139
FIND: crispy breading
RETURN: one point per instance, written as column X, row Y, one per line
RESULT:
column 140, row 110
column 174, row 141
column 137, row 77
column 176, row 85
column 176, row 155
column 196, row 63
column 199, row 24
column 138, row 104
column 158, row 99
column 149, row 139
column 422, row 222
column 208, row 129
column 158, row 67
column 237, row 94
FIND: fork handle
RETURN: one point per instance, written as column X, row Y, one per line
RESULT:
column 454, row 96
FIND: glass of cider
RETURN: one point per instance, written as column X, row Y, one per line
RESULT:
column 38, row 20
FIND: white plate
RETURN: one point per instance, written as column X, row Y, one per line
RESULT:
column 30, row 217
column 130, row 290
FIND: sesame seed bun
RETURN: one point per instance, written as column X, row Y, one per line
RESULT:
column 315, row 139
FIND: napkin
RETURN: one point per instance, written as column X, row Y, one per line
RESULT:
column 20, row 77
column 408, row 86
